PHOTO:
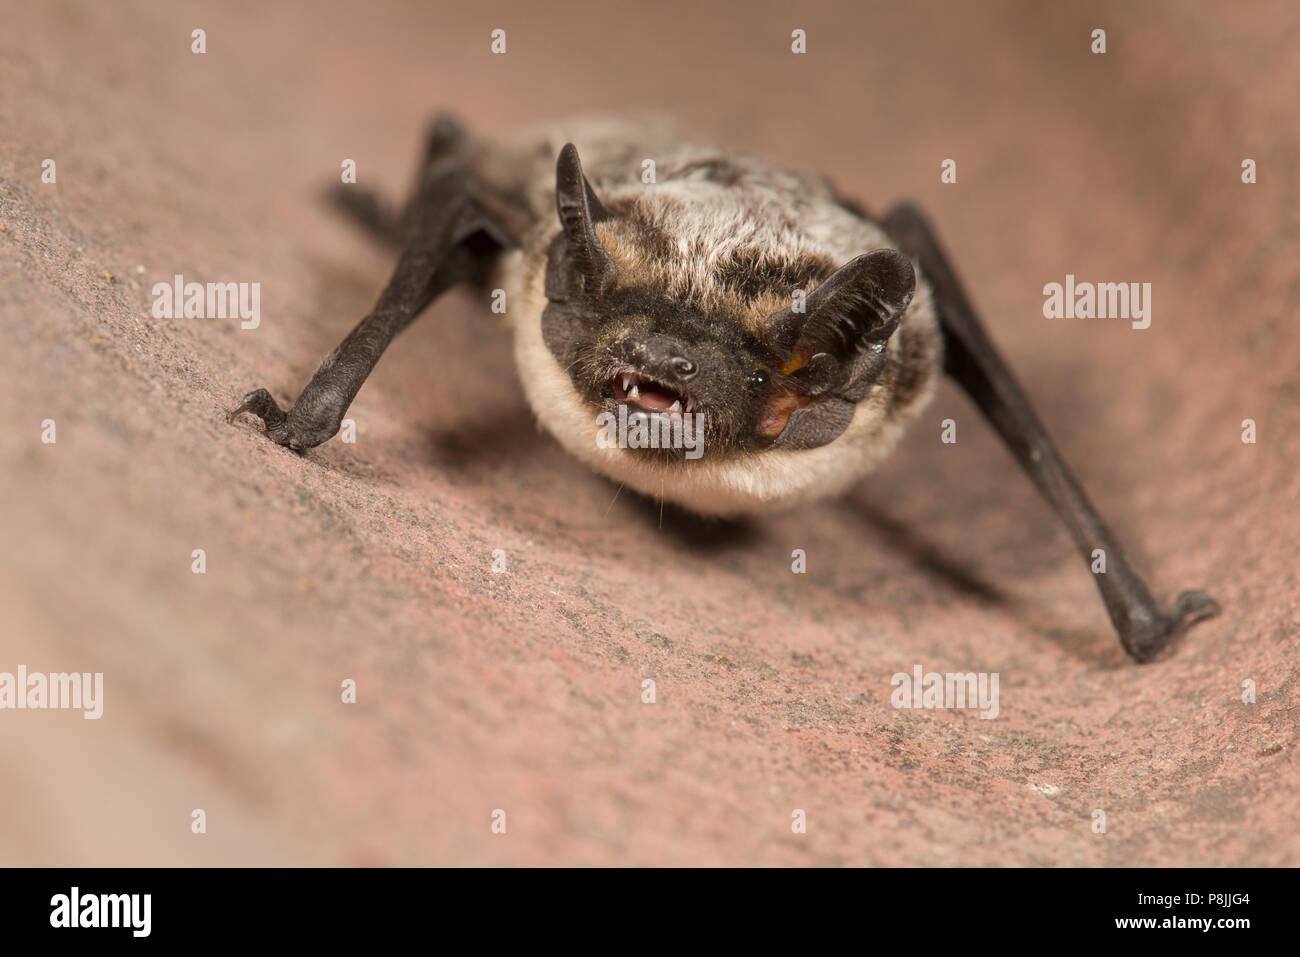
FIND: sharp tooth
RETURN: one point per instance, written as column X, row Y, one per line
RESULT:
column 676, row 406
column 634, row 392
column 626, row 379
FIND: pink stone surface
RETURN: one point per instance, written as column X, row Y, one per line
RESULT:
column 522, row 691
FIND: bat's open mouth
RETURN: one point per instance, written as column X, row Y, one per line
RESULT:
column 648, row 395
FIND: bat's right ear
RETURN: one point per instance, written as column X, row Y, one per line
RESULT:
column 579, row 210
column 836, row 342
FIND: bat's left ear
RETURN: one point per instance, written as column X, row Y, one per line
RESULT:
column 580, row 209
column 836, row 343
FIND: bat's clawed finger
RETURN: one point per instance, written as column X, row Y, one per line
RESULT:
column 1145, row 639
column 263, row 405
column 313, row 419
column 1193, row 606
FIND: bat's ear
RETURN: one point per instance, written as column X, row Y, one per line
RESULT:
column 580, row 210
column 836, row 341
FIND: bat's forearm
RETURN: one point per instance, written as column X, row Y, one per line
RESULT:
column 440, row 251
column 972, row 360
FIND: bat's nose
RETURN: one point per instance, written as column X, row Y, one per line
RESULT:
column 662, row 356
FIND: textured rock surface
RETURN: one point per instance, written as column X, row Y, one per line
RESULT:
column 521, row 691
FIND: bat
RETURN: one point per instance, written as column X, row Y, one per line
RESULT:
column 771, row 338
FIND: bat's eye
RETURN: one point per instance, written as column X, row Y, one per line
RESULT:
column 757, row 378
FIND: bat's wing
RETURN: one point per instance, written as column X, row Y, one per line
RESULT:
column 975, row 364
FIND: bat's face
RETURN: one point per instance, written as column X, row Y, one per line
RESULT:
column 669, row 365
column 775, row 368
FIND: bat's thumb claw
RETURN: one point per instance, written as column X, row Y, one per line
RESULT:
column 237, row 412
column 1191, row 607
column 1148, row 636
column 261, row 404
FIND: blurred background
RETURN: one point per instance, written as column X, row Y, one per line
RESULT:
column 522, row 691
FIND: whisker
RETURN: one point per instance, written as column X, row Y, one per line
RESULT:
column 617, row 492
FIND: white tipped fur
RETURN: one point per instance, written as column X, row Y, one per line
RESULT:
column 773, row 211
